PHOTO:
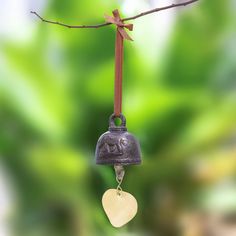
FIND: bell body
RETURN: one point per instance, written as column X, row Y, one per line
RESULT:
column 117, row 146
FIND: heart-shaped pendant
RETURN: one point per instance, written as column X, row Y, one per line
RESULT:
column 120, row 207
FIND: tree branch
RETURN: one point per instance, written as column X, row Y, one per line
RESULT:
column 124, row 19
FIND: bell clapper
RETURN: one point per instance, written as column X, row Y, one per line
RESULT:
column 120, row 172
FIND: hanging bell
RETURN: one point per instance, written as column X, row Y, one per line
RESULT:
column 117, row 146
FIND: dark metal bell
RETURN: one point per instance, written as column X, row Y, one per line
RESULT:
column 117, row 146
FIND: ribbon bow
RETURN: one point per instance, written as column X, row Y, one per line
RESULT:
column 115, row 19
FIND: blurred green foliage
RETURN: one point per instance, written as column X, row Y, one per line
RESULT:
column 56, row 94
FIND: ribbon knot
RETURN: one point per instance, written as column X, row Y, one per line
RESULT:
column 116, row 20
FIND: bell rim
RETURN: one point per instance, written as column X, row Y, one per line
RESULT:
column 124, row 162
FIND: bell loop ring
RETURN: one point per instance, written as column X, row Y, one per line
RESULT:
column 113, row 126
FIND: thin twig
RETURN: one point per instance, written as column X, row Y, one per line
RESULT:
column 69, row 26
column 124, row 19
column 160, row 9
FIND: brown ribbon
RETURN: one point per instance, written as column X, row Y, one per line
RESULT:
column 121, row 34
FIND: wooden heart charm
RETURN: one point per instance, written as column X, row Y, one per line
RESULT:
column 120, row 208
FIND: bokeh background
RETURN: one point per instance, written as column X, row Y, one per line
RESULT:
column 56, row 94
